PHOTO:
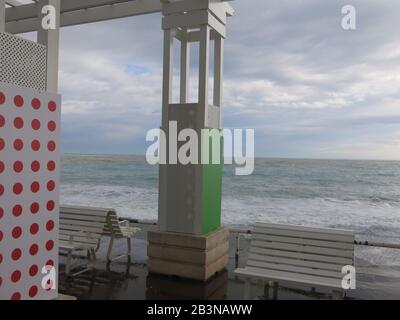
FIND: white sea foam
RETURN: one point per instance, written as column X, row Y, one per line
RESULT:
column 363, row 196
column 370, row 221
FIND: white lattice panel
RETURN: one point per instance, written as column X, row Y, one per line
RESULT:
column 22, row 62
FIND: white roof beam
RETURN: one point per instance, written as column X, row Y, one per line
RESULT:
column 23, row 18
column 14, row 3
column 30, row 10
column 113, row 10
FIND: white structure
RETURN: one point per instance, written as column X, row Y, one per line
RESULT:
column 27, row 65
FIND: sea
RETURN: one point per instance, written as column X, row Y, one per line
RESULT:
column 363, row 196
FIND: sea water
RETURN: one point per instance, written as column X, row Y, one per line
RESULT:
column 363, row 196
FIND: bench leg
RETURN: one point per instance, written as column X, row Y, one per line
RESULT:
column 110, row 246
column 247, row 289
column 98, row 246
column 94, row 259
column 129, row 240
column 266, row 290
column 275, row 290
column 68, row 263
column 337, row 294
column 260, row 288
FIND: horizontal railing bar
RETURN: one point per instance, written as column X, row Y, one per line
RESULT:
column 244, row 231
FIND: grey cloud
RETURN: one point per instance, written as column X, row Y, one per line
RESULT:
column 291, row 72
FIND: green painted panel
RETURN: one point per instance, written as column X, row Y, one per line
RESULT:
column 212, row 184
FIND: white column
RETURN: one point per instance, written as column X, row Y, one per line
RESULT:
column 218, row 70
column 163, row 149
column 167, row 74
column 50, row 38
column 204, row 66
column 2, row 15
column 185, row 66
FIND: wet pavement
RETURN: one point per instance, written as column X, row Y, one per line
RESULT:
column 123, row 280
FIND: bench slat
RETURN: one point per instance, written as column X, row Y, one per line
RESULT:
column 82, row 217
column 82, row 222
column 78, row 223
column 305, row 256
column 75, row 227
column 294, row 269
column 296, row 262
column 304, row 234
column 305, row 229
column 77, row 238
column 102, row 212
column 290, row 277
column 302, row 241
column 301, row 248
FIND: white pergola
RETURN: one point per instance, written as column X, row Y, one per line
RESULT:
column 22, row 16
column 189, row 197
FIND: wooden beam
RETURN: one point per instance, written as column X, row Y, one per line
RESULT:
column 51, row 39
column 91, row 14
column 29, row 10
column 14, row 3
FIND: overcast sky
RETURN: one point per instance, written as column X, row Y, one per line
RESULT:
column 309, row 88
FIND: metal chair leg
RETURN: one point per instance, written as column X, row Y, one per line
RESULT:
column 68, row 263
column 110, row 246
column 94, row 259
column 266, row 290
column 129, row 240
column 275, row 290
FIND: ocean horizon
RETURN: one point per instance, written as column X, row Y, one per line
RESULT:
column 359, row 195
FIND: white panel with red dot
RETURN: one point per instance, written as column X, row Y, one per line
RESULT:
column 29, row 190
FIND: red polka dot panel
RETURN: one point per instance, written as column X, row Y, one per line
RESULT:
column 29, row 192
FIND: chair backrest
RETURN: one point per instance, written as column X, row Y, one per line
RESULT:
column 112, row 226
column 84, row 224
column 301, row 251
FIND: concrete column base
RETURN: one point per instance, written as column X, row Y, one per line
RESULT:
column 188, row 256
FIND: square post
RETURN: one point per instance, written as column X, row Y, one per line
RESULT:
column 204, row 67
column 190, row 241
column 218, row 70
column 166, row 100
column 185, row 66
column 50, row 38
column 167, row 74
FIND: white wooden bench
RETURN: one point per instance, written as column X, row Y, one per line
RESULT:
column 80, row 230
column 111, row 226
column 310, row 256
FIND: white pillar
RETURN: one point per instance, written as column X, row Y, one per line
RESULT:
column 204, row 66
column 2, row 15
column 50, row 38
column 183, row 189
column 167, row 74
column 185, row 66
column 166, row 100
column 218, row 70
